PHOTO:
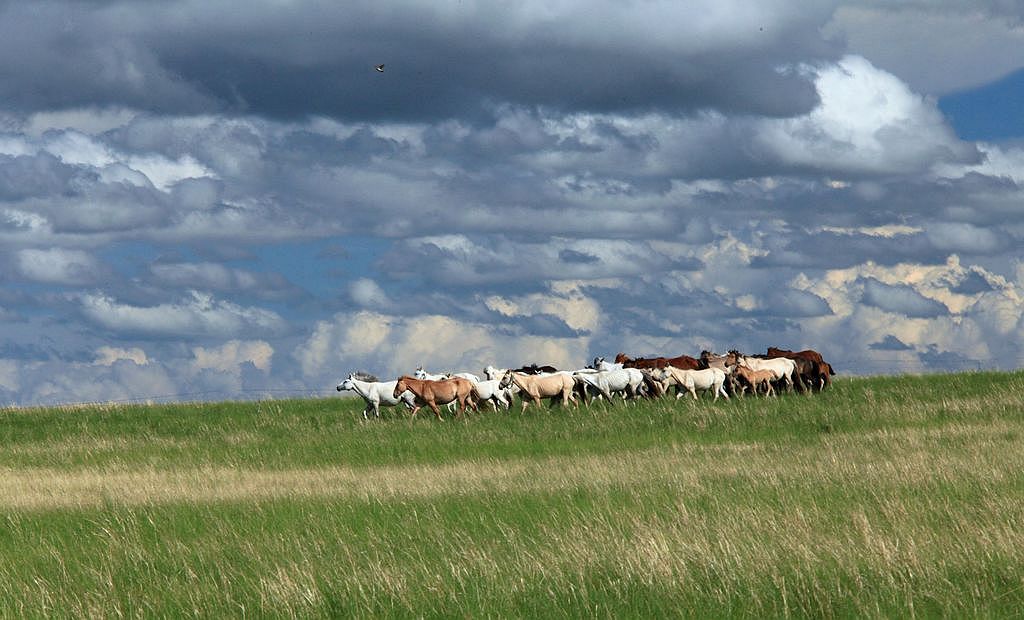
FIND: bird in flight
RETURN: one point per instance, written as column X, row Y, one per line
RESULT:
column 379, row 68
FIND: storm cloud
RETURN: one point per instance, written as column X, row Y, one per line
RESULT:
column 206, row 197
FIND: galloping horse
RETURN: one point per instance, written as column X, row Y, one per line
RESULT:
column 782, row 367
column 756, row 378
column 376, row 393
column 809, row 354
column 537, row 387
column 534, row 369
column 693, row 380
column 433, row 393
column 683, row 362
column 815, row 370
column 713, row 360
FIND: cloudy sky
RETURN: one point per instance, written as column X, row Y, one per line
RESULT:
column 208, row 199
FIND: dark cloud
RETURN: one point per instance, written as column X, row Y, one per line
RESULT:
column 900, row 300
column 890, row 343
column 441, row 61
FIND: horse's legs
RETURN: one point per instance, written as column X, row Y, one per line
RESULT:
column 434, row 407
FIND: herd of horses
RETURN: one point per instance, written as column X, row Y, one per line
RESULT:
column 732, row 374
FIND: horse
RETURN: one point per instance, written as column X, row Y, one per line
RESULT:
column 534, row 369
column 713, row 360
column 809, row 354
column 693, row 380
column 432, row 393
column 421, row 374
column 825, row 375
column 684, row 362
column 493, row 392
column 782, row 367
column 613, row 381
column 807, row 363
column 755, row 379
column 536, row 387
column 376, row 393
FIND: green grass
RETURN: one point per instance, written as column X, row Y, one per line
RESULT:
column 890, row 496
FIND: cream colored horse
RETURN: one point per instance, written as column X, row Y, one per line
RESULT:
column 537, row 387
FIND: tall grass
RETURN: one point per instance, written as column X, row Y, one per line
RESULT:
column 885, row 496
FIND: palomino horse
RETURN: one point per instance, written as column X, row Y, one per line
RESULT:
column 755, row 379
column 693, row 380
column 376, row 393
column 684, row 362
column 434, row 393
column 537, row 387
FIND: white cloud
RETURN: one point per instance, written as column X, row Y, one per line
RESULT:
column 868, row 121
column 367, row 293
column 105, row 356
column 57, row 266
column 199, row 315
column 10, row 375
column 393, row 345
column 228, row 356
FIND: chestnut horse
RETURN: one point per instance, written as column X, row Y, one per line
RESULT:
column 683, row 362
column 819, row 372
column 434, row 393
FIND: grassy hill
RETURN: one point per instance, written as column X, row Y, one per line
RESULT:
column 889, row 496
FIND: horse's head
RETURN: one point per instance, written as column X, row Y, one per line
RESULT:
column 506, row 380
column 400, row 386
column 420, row 373
column 347, row 384
column 732, row 357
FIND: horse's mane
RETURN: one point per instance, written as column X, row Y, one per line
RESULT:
column 365, row 376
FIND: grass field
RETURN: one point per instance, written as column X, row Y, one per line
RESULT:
column 899, row 496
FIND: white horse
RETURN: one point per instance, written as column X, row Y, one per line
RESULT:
column 377, row 393
column 423, row 375
column 693, row 380
column 624, row 381
column 493, row 392
column 601, row 364
column 420, row 373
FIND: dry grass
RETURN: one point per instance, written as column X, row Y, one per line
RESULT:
column 879, row 459
column 774, row 517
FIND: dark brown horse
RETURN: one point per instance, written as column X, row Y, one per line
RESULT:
column 683, row 362
column 534, row 369
column 807, row 354
column 820, row 373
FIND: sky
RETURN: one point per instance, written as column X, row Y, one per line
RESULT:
column 218, row 200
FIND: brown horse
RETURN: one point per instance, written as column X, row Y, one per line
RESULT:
column 683, row 362
column 537, row 387
column 434, row 393
column 819, row 372
column 807, row 354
